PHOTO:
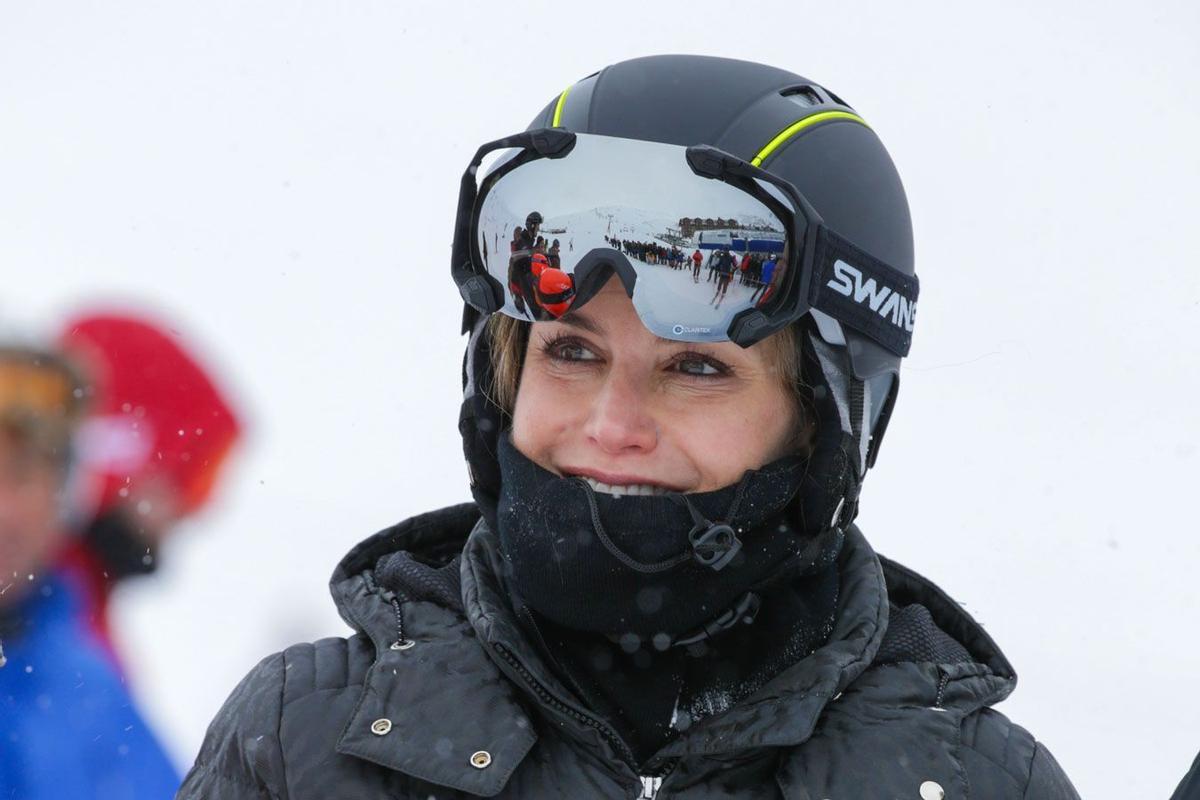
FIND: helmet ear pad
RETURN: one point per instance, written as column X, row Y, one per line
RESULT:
column 828, row 496
column 480, row 421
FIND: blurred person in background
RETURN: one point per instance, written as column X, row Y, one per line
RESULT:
column 68, row 726
column 157, row 435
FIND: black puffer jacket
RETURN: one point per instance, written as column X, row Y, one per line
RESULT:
column 470, row 709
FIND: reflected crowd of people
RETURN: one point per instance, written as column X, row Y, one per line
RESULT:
column 753, row 269
column 540, row 288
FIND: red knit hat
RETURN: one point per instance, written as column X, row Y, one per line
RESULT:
column 156, row 413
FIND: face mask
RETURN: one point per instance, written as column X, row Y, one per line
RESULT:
column 679, row 566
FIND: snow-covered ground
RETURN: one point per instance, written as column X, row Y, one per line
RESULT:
column 279, row 180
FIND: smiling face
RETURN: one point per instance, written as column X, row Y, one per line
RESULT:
column 602, row 397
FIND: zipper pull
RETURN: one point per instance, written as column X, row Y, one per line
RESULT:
column 650, row 787
column 651, row 784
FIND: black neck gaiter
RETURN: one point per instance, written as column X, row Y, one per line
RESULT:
column 625, row 638
column 633, row 566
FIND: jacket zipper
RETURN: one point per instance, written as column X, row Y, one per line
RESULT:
column 652, row 784
column 544, row 695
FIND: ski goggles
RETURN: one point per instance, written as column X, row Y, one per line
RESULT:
column 41, row 399
column 37, row 384
column 707, row 246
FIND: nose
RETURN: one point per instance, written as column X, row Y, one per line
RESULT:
column 619, row 422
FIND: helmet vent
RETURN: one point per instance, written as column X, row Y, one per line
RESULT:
column 802, row 96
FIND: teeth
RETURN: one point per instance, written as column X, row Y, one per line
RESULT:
column 632, row 490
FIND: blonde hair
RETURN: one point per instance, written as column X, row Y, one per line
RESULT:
column 509, row 338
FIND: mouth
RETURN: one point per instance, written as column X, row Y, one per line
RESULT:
column 621, row 485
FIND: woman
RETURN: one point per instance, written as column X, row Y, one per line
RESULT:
column 658, row 591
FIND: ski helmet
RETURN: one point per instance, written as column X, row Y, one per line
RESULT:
column 556, row 291
column 159, row 413
column 797, row 130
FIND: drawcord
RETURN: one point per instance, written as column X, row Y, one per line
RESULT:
column 401, row 643
column 713, row 544
column 743, row 612
column 625, row 558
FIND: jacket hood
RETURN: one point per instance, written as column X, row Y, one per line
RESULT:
column 477, row 646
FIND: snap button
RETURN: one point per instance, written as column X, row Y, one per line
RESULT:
column 481, row 759
column 402, row 644
column 932, row 790
column 380, row 727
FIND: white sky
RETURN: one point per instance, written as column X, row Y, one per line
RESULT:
column 279, row 180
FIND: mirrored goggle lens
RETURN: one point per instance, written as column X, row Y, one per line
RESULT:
column 693, row 252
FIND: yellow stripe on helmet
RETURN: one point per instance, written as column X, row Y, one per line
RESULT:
column 562, row 98
column 793, row 129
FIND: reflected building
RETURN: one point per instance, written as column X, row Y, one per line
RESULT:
column 689, row 225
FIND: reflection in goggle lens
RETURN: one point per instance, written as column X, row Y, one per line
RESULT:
column 693, row 251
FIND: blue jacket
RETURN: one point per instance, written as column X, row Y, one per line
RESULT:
column 68, row 726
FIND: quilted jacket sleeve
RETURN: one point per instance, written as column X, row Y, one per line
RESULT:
column 1004, row 760
column 1047, row 781
column 1189, row 787
column 241, row 758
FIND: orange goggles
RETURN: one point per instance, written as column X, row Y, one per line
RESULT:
column 39, row 386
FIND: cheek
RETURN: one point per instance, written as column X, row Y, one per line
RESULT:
column 541, row 414
column 753, row 430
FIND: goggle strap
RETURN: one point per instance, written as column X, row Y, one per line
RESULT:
column 863, row 292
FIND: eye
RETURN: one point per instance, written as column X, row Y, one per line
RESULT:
column 700, row 366
column 564, row 348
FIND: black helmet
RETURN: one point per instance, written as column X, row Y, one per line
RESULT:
column 797, row 130
column 534, row 218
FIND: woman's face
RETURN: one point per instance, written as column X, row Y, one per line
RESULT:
column 602, row 397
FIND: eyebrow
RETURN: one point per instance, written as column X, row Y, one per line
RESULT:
column 586, row 323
